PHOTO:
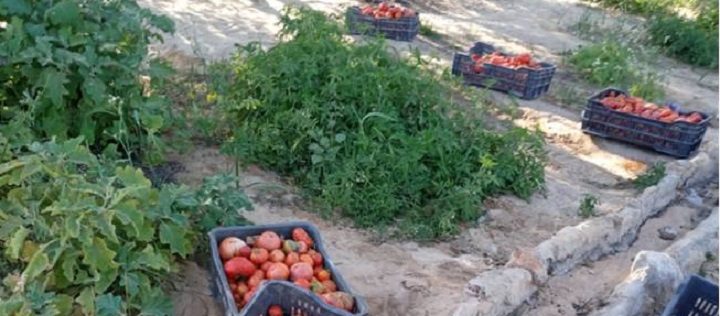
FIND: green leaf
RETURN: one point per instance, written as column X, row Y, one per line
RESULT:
column 175, row 236
column 86, row 300
column 18, row 7
column 156, row 303
column 53, row 85
column 36, row 266
column 131, row 282
column 97, row 255
column 64, row 12
column 63, row 303
column 105, row 280
column 12, row 305
column 72, row 227
column 108, row 305
column 69, row 265
column 16, row 243
column 149, row 258
column 132, row 178
column 129, row 214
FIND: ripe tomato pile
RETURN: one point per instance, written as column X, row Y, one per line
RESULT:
column 639, row 107
column 497, row 59
column 388, row 11
column 248, row 263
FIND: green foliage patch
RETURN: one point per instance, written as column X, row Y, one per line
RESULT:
column 72, row 68
column 370, row 135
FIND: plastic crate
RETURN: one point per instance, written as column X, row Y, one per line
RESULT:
column 403, row 29
column 290, row 299
column 695, row 297
column 524, row 83
column 679, row 139
column 220, row 281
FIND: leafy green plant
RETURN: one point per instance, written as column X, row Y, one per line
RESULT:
column 369, row 135
column 587, row 206
column 686, row 40
column 613, row 63
column 651, row 176
column 82, row 238
column 72, row 67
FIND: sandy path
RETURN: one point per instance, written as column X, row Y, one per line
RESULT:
column 410, row 279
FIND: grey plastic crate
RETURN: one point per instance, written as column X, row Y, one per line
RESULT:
column 291, row 299
column 220, row 281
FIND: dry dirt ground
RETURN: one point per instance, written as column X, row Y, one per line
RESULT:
column 405, row 278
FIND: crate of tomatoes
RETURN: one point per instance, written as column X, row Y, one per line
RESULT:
column 304, row 280
column 519, row 75
column 392, row 21
column 613, row 113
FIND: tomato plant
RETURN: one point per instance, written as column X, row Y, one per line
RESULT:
column 369, row 135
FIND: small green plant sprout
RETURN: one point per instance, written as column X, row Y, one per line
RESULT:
column 652, row 175
column 587, row 206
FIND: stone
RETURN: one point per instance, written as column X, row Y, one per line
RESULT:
column 528, row 260
column 667, row 233
column 496, row 292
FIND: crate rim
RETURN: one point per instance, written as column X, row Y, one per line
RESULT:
column 310, row 294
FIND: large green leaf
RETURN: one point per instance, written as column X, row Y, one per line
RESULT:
column 16, row 242
column 86, row 300
column 109, row 305
column 98, row 256
column 176, row 237
column 64, row 12
column 37, row 265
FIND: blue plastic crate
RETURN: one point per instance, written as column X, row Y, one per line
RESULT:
column 291, row 299
column 403, row 29
column 220, row 282
column 695, row 297
column 677, row 139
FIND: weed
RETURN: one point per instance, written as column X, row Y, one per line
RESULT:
column 709, row 256
column 428, row 31
column 613, row 63
column 650, row 177
column 368, row 135
column 587, row 206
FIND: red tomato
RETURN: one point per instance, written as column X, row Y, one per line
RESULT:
column 275, row 311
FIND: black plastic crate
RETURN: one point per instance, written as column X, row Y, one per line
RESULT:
column 403, row 29
column 678, row 139
column 524, row 83
column 220, row 281
column 677, row 131
column 291, row 299
column 695, row 297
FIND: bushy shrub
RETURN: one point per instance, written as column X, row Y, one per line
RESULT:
column 369, row 135
column 72, row 68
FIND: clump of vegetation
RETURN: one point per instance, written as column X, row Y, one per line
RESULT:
column 84, row 237
column 370, row 135
column 72, row 68
column 613, row 63
column 587, row 206
column 651, row 176
column 686, row 40
column 83, row 232
column 690, row 39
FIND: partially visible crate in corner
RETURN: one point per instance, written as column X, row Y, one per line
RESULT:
column 678, row 139
column 695, row 297
column 297, row 296
column 522, row 82
column 403, row 29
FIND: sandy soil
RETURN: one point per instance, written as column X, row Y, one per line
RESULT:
column 410, row 279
